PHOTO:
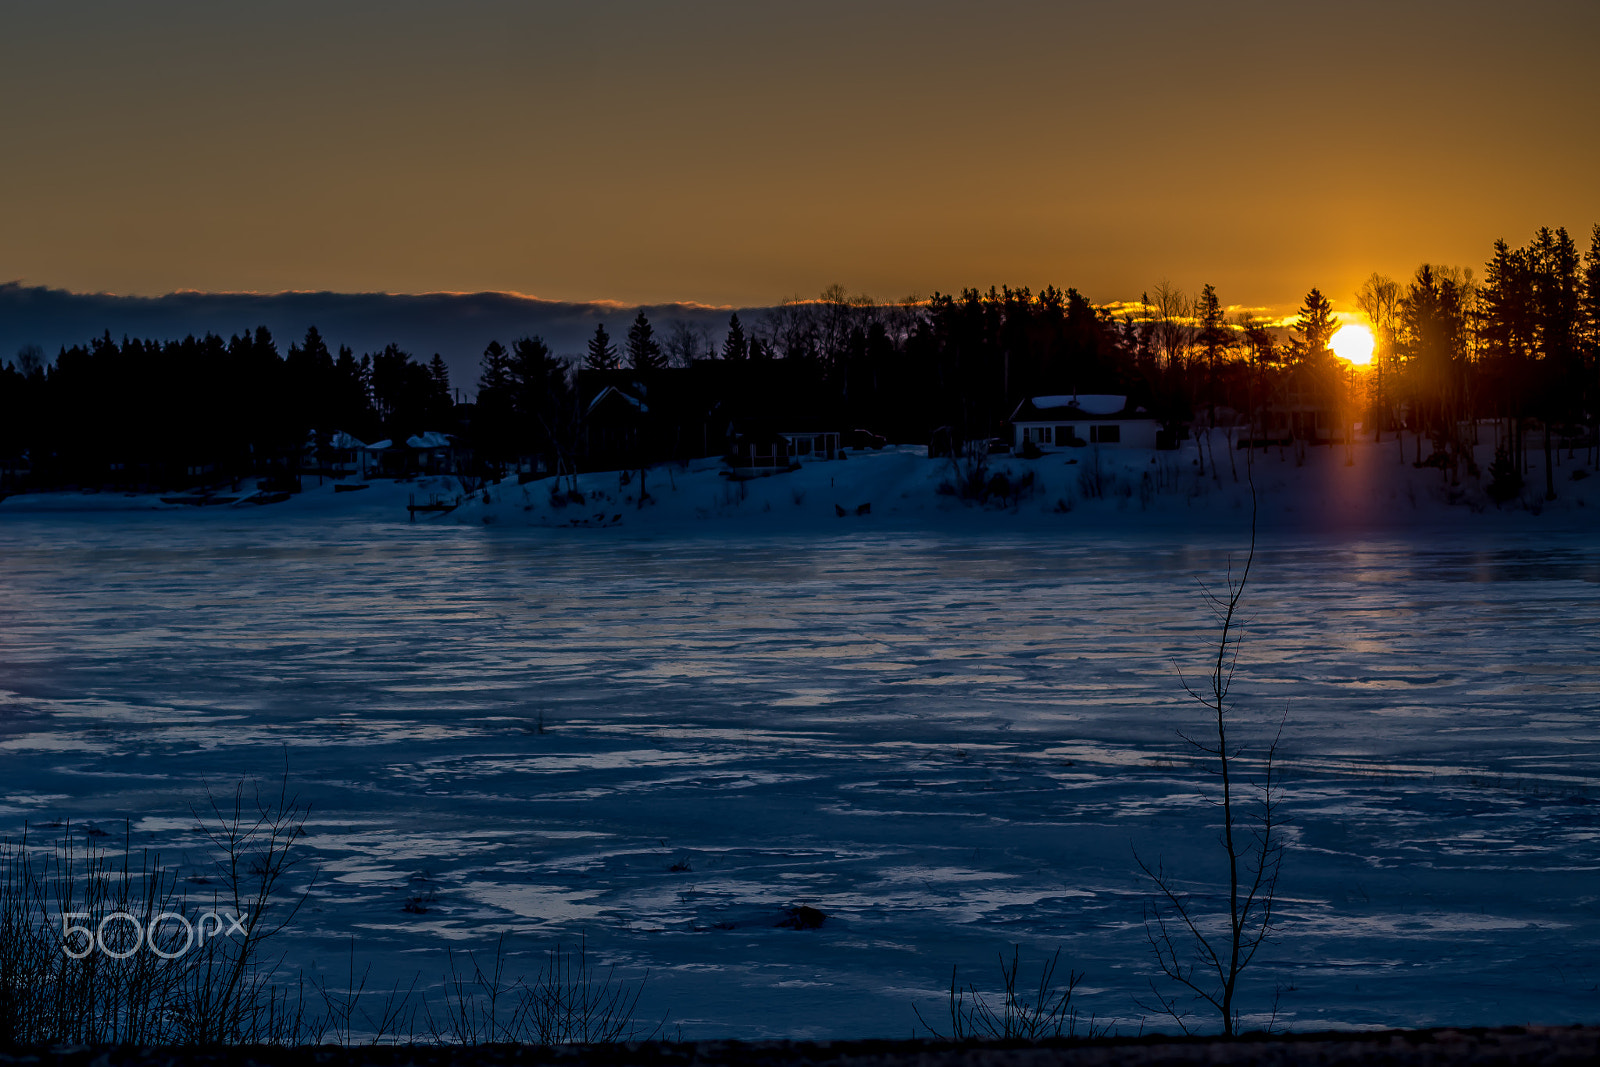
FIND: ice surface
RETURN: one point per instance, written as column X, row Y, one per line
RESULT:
column 949, row 736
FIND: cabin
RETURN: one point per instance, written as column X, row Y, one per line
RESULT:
column 1052, row 423
column 755, row 453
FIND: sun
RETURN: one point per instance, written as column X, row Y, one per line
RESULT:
column 1354, row 343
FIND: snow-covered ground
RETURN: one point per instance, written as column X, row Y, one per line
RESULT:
column 1089, row 490
column 946, row 726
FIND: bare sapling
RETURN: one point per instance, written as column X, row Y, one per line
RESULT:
column 1203, row 943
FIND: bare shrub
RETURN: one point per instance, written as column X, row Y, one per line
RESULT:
column 96, row 949
column 1031, row 1013
column 570, row 1001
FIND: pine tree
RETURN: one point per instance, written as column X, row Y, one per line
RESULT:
column 644, row 353
column 735, row 346
column 602, row 353
column 440, row 375
column 1315, row 325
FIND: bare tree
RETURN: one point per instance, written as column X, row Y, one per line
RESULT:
column 1201, row 952
column 685, row 343
column 1379, row 300
column 1174, row 330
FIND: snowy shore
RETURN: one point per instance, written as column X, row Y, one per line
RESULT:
column 1376, row 488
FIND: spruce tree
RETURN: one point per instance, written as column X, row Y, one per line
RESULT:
column 602, row 354
column 1212, row 339
column 1315, row 324
column 735, row 346
column 644, row 353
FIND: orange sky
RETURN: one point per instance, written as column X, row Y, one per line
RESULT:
column 738, row 153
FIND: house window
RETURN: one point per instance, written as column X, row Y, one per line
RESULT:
column 1105, row 435
column 1063, row 435
column 1044, row 435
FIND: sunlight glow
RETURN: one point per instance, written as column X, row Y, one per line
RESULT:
column 1354, row 343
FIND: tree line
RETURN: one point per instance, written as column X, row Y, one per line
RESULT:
column 1520, row 345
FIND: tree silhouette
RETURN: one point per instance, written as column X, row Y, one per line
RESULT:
column 1315, row 325
column 602, row 354
column 644, row 353
column 736, row 347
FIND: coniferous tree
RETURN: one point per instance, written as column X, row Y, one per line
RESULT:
column 1212, row 338
column 493, row 422
column 1589, row 318
column 440, row 374
column 736, row 347
column 1591, row 293
column 1315, row 326
column 602, row 354
column 543, row 400
column 351, row 405
column 644, row 352
column 1557, row 290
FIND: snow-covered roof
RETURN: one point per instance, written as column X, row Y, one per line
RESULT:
column 429, row 439
column 378, row 446
column 344, row 441
column 1079, row 406
column 1088, row 403
column 607, row 391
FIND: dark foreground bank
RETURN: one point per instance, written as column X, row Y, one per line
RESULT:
column 1511, row 1045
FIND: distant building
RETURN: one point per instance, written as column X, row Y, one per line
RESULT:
column 1051, row 423
column 821, row 444
column 731, row 408
column 754, row 452
column 1303, row 413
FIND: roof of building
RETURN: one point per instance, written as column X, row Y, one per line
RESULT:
column 1079, row 406
column 611, row 390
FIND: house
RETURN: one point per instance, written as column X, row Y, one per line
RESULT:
column 819, row 444
column 381, row 459
column 1050, row 423
column 1301, row 413
column 616, row 425
column 432, row 452
column 342, row 455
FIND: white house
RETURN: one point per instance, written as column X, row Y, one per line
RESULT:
column 822, row 445
column 1050, row 423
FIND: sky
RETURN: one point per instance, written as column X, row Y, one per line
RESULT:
column 735, row 154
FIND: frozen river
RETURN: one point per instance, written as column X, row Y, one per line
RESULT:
column 948, row 745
